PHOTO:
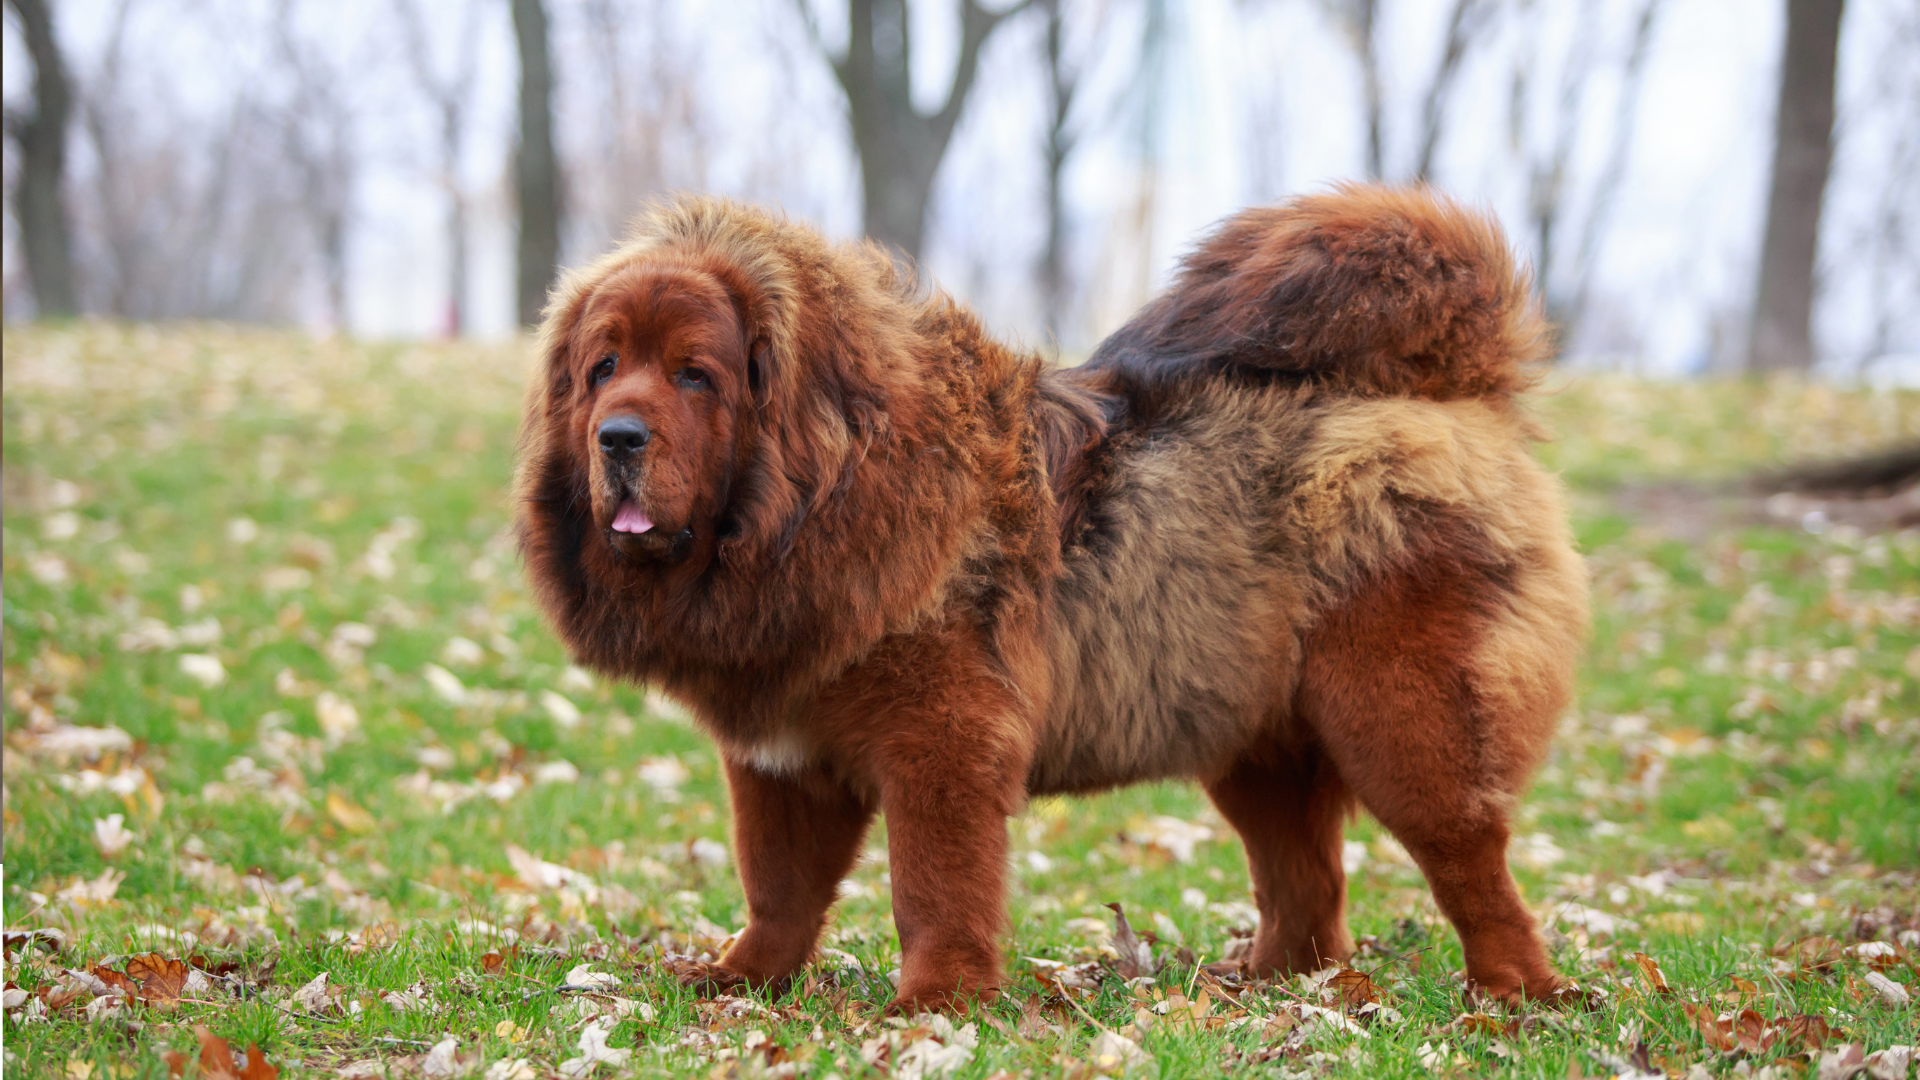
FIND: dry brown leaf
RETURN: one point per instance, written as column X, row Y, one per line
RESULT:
column 1482, row 1024
column 117, row 980
column 1816, row 953
column 1752, row 1032
column 1717, row 1032
column 493, row 963
column 62, row 994
column 1136, row 956
column 1650, row 971
column 161, row 979
column 1743, row 990
column 216, row 1057
column 1807, row 1031
column 1354, row 988
column 1037, row 1021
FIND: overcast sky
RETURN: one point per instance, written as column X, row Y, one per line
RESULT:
column 1248, row 101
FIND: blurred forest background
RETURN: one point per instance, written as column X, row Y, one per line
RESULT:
column 1702, row 185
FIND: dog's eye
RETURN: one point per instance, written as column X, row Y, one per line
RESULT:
column 693, row 378
column 603, row 370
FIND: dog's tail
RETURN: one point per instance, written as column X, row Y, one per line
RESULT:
column 1368, row 290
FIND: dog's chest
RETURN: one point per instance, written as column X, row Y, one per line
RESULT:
column 783, row 753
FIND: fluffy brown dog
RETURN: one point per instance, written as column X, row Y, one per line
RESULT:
column 1281, row 535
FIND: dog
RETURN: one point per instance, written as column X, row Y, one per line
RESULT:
column 1281, row 534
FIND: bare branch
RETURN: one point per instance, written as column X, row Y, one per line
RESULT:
column 976, row 25
column 1469, row 19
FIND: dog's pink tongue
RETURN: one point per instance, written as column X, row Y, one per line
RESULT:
column 630, row 519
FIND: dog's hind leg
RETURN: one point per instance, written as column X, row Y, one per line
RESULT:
column 1434, row 690
column 1288, row 807
column 795, row 837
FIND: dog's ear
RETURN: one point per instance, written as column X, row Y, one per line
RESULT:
column 757, row 351
column 550, row 391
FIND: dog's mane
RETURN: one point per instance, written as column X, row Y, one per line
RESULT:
column 879, row 414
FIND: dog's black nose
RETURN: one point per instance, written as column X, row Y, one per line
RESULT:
column 621, row 437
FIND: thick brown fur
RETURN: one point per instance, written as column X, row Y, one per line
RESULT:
column 1281, row 535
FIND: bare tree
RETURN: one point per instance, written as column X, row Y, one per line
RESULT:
column 899, row 146
column 1356, row 19
column 1565, row 282
column 1607, row 186
column 449, row 94
column 1466, row 25
column 1359, row 20
column 318, row 143
column 645, row 127
column 39, row 194
column 1063, row 82
column 1782, row 337
column 536, row 169
column 120, row 233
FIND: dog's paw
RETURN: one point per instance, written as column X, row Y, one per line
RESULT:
column 708, row 980
column 953, row 1002
column 1552, row 992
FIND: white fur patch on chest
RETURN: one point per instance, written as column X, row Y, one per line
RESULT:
column 780, row 755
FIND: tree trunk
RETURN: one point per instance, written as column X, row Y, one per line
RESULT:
column 900, row 147
column 1782, row 338
column 536, row 170
column 456, row 322
column 1062, row 84
column 39, row 196
column 1367, row 48
column 1469, row 18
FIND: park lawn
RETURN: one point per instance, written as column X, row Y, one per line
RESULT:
column 277, row 704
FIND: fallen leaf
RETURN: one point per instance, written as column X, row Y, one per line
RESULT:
column 48, row 939
column 161, row 979
column 1481, row 1024
column 594, row 1051
column 1841, row 1063
column 216, row 1060
column 350, row 816
column 116, row 980
column 1111, row 1053
column 1136, row 957
column 1353, row 988
column 1650, row 970
column 1807, row 1031
column 1717, row 1031
column 1892, row 993
column 1743, row 990
column 111, row 835
column 313, row 996
column 1893, row 1063
column 584, row 975
column 1752, row 1032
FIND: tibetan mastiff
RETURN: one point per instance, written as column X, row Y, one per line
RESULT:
column 1281, row 534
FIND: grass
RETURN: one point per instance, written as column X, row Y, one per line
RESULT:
column 281, row 567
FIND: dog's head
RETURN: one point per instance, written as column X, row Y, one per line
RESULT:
column 656, row 380
column 704, row 392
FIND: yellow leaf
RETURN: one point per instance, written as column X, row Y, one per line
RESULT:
column 1680, row 922
column 350, row 816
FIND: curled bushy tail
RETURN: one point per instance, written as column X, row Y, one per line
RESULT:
column 1366, row 289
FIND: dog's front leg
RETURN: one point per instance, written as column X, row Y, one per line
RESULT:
column 795, row 836
column 947, row 855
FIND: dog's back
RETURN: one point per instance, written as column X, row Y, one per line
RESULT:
column 1310, row 561
column 1325, row 397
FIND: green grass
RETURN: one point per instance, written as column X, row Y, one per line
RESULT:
column 1741, row 773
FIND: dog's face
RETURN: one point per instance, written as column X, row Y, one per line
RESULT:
column 661, row 374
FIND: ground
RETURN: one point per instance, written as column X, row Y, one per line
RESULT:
column 278, row 707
